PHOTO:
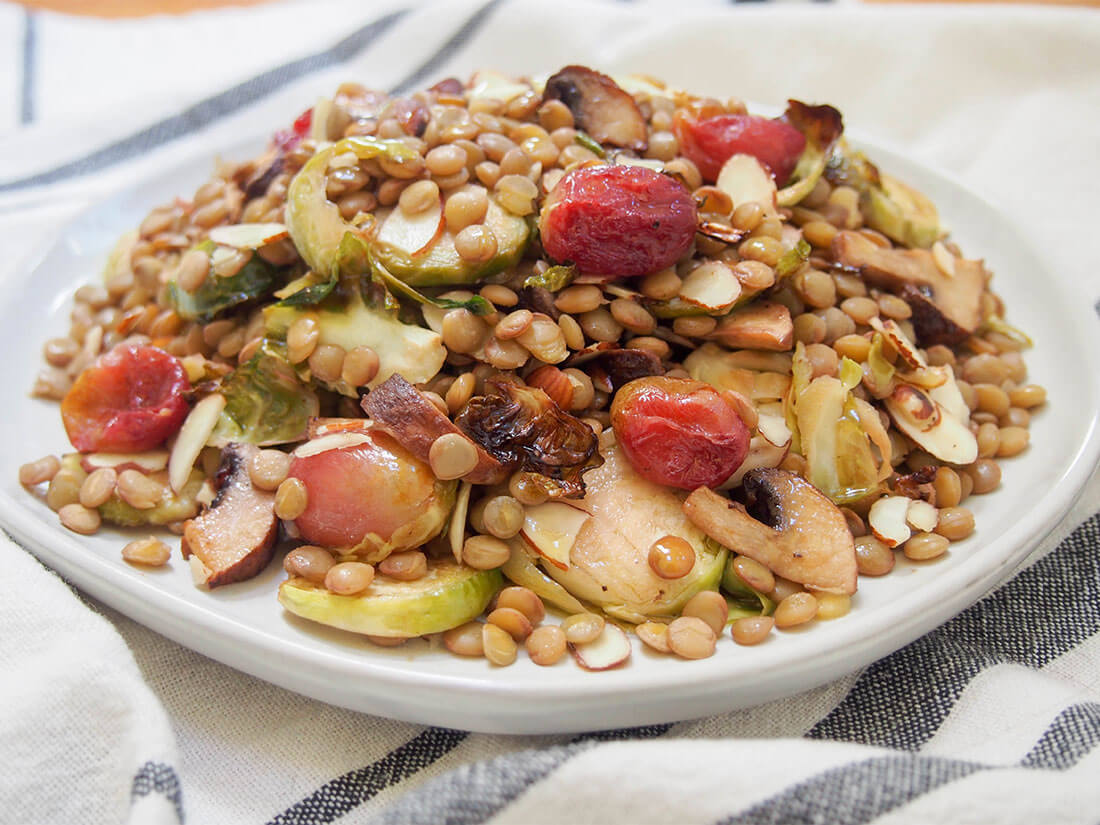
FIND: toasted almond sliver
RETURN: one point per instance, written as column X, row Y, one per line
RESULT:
column 192, row 437
column 336, row 441
column 944, row 259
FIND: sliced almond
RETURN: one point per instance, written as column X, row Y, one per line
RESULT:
column 774, row 429
column 200, row 573
column 900, row 341
column 939, row 433
column 551, row 529
column 745, row 180
column 335, row 441
column 331, row 426
column 922, row 516
column 887, row 520
column 413, row 234
column 944, row 259
column 490, row 85
column 192, row 437
column 456, row 533
column 712, row 286
column 147, row 462
column 248, row 235
column 610, row 649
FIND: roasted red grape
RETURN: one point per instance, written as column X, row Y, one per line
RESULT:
column 679, row 432
column 618, row 221
column 710, row 142
column 130, row 400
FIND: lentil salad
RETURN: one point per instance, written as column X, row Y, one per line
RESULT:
column 784, row 307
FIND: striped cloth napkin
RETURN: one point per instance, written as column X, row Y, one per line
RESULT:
column 994, row 717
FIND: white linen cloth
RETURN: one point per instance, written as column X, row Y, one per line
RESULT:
column 998, row 716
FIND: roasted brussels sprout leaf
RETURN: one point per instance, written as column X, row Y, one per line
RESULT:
column 307, row 291
column 743, row 600
column 265, row 402
column 554, row 279
column 822, row 127
column 523, row 429
column 255, row 279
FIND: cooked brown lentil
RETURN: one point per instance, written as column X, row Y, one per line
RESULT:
column 151, row 552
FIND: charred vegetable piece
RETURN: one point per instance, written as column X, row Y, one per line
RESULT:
column 710, row 142
column 254, row 280
column 130, row 400
column 678, row 432
column 413, row 351
column 372, row 498
column 609, row 558
column 523, row 429
column 265, row 402
column 235, row 537
column 621, row 366
column 447, row 596
column 946, row 309
column 822, row 127
column 599, row 106
column 404, row 412
column 786, row 524
column 617, row 221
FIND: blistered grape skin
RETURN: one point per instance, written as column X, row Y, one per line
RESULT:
column 710, row 142
column 130, row 400
column 618, row 221
column 679, row 433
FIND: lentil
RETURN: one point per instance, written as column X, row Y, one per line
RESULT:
column 795, row 609
column 711, row 607
column 485, row 552
column 465, row 640
column 291, row 499
column 751, row 630
column 406, row 566
column 546, row 645
column 691, row 638
column 582, row 627
column 309, row 562
column 498, row 645
column 37, row 472
column 151, row 552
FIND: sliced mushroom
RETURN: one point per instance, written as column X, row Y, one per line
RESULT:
column 789, row 526
column 759, row 325
column 397, row 407
column 945, row 309
column 234, row 538
column 600, row 107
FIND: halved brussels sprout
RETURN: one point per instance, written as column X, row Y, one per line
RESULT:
column 609, row 564
column 447, row 596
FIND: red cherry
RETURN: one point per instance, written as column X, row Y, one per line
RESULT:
column 130, row 400
column 618, row 221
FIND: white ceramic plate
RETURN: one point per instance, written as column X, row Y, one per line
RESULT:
column 243, row 625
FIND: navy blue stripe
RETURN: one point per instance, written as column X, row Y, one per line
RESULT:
column 1045, row 611
column 1069, row 738
column 156, row 777
column 30, row 65
column 415, row 79
column 211, row 109
column 345, row 793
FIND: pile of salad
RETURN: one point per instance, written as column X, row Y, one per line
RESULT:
column 672, row 370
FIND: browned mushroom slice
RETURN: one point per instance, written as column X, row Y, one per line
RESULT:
column 234, row 538
column 599, row 106
column 789, row 526
column 946, row 309
column 759, row 325
column 397, row 407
